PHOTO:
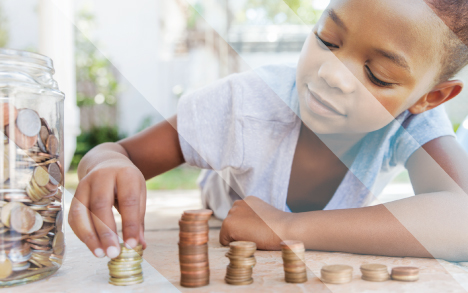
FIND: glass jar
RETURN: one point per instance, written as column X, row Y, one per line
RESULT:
column 32, row 241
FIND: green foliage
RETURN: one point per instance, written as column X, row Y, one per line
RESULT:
column 87, row 140
column 95, row 76
column 456, row 126
column 3, row 28
column 279, row 12
column 178, row 178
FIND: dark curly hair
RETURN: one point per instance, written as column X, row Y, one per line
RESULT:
column 454, row 13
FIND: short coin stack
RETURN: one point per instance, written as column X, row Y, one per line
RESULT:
column 125, row 269
column 336, row 274
column 293, row 261
column 242, row 261
column 374, row 272
column 407, row 274
column 193, row 248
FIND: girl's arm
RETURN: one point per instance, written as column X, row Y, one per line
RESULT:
column 434, row 223
column 114, row 174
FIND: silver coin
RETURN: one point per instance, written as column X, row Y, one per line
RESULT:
column 55, row 174
column 28, row 122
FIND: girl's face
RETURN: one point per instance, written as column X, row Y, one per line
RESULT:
column 365, row 62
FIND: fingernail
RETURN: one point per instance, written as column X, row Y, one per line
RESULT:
column 98, row 252
column 131, row 243
column 112, row 252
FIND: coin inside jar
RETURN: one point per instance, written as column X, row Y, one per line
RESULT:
column 22, row 219
column 28, row 122
column 9, row 113
column 52, row 144
column 55, row 175
column 41, row 176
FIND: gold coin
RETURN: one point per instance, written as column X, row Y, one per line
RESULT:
column 6, row 267
column 41, row 176
column 128, row 279
column 6, row 212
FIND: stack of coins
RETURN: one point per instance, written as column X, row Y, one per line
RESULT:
column 406, row 274
column 336, row 274
column 374, row 272
column 125, row 269
column 293, row 261
column 193, row 248
column 241, row 263
column 31, row 183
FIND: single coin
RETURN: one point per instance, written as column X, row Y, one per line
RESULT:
column 22, row 141
column 6, row 267
column 22, row 219
column 28, row 122
column 242, row 245
column 197, row 215
column 41, row 176
column 52, row 144
column 9, row 113
column 41, row 143
column 39, row 241
column 195, row 284
column 6, row 212
column 292, row 245
column 295, row 269
column 58, row 243
column 59, row 220
column 407, row 274
column 44, row 135
column 55, row 174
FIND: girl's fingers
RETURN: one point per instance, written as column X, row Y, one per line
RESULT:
column 101, row 202
column 81, row 222
column 128, row 195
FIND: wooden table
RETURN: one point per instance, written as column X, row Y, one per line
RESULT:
column 82, row 272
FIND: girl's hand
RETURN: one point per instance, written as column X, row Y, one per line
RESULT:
column 113, row 182
column 252, row 219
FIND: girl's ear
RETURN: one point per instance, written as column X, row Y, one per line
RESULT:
column 441, row 93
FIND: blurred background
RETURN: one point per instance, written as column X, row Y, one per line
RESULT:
column 124, row 64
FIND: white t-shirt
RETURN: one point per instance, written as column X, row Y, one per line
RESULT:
column 243, row 130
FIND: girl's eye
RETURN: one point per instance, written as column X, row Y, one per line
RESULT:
column 375, row 80
column 325, row 45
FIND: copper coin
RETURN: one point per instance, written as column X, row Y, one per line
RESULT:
column 196, row 274
column 9, row 113
column 22, row 141
column 192, row 249
column 195, row 284
column 193, row 258
column 52, row 144
column 193, row 234
column 408, row 274
column 55, row 174
column 193, row 223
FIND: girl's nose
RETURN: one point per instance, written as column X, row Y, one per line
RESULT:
column 337, row 75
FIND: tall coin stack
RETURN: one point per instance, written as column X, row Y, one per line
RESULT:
column 241, row 262
column 31, row 179
column 193, row 248
column 125, row 269
column 293, row 261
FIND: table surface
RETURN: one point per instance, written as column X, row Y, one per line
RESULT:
column 82, row 272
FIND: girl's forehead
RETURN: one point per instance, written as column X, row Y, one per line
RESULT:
column 408, row 27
